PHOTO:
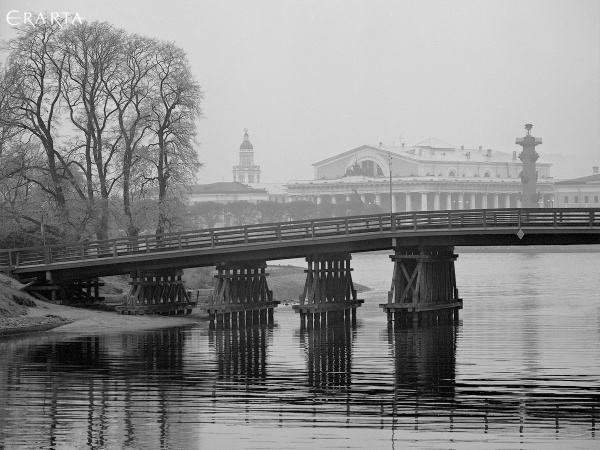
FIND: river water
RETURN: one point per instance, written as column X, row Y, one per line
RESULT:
column 520, row 370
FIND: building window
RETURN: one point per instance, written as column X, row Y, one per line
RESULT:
column 250, row 178
column 576, row 199
column 241, row 178
column 586, row 199
column 595, row 199
column 566, row 199
column 452, row 173
column 371, row 169
column 487, row 174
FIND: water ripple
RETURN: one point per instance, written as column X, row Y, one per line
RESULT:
column 521, row 369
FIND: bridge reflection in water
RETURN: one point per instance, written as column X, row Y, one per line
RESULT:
column 328, row 352
column 162, row 387
column 241, row 353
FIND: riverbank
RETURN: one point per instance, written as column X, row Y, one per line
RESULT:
column 20, row 313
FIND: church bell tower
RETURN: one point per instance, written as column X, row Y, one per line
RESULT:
column 246, row 172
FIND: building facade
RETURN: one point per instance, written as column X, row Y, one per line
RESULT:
column 225, row 192
column 246, row 185
column 429, row 176
column 581, row 192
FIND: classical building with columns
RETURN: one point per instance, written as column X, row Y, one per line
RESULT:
column 428, row 176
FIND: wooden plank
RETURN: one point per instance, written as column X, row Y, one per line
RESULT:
column 421, row 306
column 331, row 306
column 237, row 307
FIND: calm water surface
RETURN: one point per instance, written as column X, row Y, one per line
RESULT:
column 521, row 370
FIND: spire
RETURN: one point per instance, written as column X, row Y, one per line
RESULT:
column 246, row 145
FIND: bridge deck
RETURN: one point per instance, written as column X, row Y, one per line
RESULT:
column 300, row 238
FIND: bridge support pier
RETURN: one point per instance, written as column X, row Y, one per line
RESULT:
column 241, row 296
column 157, row 293
column 75, row 293
column 423, row 287
column 329, row 296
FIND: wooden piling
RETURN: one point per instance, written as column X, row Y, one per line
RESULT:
column 157, row 293
column 423, row 289
column 328, row 290
column 242, row 290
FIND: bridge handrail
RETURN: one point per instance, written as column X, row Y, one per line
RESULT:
column 301, row 229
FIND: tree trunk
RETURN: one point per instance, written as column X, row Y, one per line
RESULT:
column 162, row 184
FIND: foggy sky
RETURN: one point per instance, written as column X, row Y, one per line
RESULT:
column 311, row 79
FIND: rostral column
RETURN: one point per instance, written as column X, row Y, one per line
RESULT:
column 529, row 195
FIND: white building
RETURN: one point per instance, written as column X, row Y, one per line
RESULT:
column 431, row 175
column 225, row 192
column 246, row 185
column 581, row 192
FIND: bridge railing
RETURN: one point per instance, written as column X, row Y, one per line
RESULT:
column 302, row 229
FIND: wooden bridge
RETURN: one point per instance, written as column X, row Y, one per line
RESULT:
column 423, row 243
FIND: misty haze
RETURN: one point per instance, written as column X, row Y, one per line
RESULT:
column 290, row 224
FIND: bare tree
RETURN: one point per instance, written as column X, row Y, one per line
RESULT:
column 271, row 212
column 130, row 91
column 22, row 203
column 301, row 209
column 91, row 62
column 206, row 214
column 242, row 212
column 175, row 108
column 132, row 105
column 30, row 93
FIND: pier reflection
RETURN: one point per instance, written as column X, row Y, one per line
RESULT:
column 241, row 353
column 424, row 360
column 164, row 388
column 429, row 395
column 74, row 389
column 328, row 350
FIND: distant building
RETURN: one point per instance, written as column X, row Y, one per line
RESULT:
column 579, row 192
column 225, row 192
column 246, row 185
column 431, row 175
column 246, row 171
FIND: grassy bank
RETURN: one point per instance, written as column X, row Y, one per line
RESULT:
column 19, row 311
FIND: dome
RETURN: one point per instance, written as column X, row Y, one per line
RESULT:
column 246, row 145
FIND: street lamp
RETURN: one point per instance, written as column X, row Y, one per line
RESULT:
column 390, row 167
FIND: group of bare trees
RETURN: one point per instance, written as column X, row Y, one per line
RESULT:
column 97, row 131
